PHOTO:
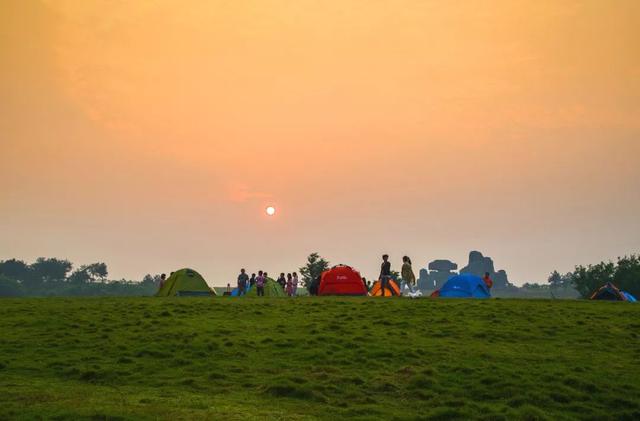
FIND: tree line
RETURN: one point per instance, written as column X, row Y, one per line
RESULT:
column 48, row 277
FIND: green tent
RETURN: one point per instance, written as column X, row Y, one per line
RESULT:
column 271, row 289
column 185, row 282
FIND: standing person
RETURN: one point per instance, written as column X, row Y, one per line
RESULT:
column 163, row 278
column 295, row 284
column 407, row 273
column 282, row 281
column 487, row 280
column 260, row 284
column 252, row 280
column 289, row 285
column 364, row 281
column 242, row 282
column 385, row 273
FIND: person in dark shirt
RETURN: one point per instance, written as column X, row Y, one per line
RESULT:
column 242, row 282
column 282, row 281
column 252, row 280
column 385, row 274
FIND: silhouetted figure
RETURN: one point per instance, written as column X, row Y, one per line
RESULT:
column 289, row 285
column 163, row 278
column 260, row 280
column 487, row 280
column 252, row 280
column 295, row 284
column 407, row 273
column 385, row 273
column 242, row 282
column 282, row 281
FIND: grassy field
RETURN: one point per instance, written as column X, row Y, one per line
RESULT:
column 318, row 358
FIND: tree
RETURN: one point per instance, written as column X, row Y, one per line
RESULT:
column 587, row 279
column 314, row 268
column 51, row 270
column 15, row 269
column 555, row 280
column 89, row 273
column 9, row 287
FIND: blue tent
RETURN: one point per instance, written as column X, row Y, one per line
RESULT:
column 465, row 285
column 629, row 297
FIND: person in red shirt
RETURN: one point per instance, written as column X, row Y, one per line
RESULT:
column 487, row 280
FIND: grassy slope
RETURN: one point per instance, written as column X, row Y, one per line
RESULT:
column 318, row 358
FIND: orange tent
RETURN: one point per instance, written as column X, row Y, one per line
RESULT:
column 391, row 290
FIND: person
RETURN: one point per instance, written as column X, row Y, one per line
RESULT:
column 368, row 285
column 364, row 281
column 407, row 273
column 487, row 280
column 295, row 284
column 260, row 280
column 385, row 273
column 289, row 285
column 228, row 290
column 282, row 281
column 315, row 285
column 242, row 282
column 163, row 278
column 252, row 280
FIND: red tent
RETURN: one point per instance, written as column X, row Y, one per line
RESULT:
column 341, row 280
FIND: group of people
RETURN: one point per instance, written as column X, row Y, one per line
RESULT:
column 289, row 284
column 406, row 272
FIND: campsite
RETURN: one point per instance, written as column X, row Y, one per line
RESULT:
column 318, row 358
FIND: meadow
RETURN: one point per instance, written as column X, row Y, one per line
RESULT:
column 318, row 358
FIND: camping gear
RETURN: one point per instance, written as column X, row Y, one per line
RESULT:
column 341, row 280
column 391, row 290
column 271, row 289
column 464, row 285
column 183, row 283
column 610, row 292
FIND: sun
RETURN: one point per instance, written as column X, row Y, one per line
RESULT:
column 270, row 210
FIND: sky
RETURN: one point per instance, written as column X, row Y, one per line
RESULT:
column 151, row 135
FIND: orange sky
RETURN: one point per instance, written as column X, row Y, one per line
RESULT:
column 151, row 134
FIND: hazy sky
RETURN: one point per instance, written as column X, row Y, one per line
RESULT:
column 151, row 134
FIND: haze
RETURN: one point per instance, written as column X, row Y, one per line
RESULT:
column 152, row 134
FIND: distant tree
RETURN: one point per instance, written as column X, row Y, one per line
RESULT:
column 587, row 279
column 555, row 280
column 15, row 269
column 89, row 273
column 534, row 286
column 314, row 268
column 9, row 287
column 51, row 270
column 98, row 271
column 625, row 274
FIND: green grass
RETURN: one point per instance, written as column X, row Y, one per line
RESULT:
column 310, row 358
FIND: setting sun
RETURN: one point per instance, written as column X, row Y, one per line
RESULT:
column 270, row 210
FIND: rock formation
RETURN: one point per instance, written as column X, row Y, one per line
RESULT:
column 439, row 271
column 479, row 265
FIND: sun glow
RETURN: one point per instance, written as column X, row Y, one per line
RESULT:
column 270, row 210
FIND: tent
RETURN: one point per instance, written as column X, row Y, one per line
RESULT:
column 610, row 292
column 464, row 285
column 185, row 282
column 271, row 289
column 341, row 280
column 392, row 289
